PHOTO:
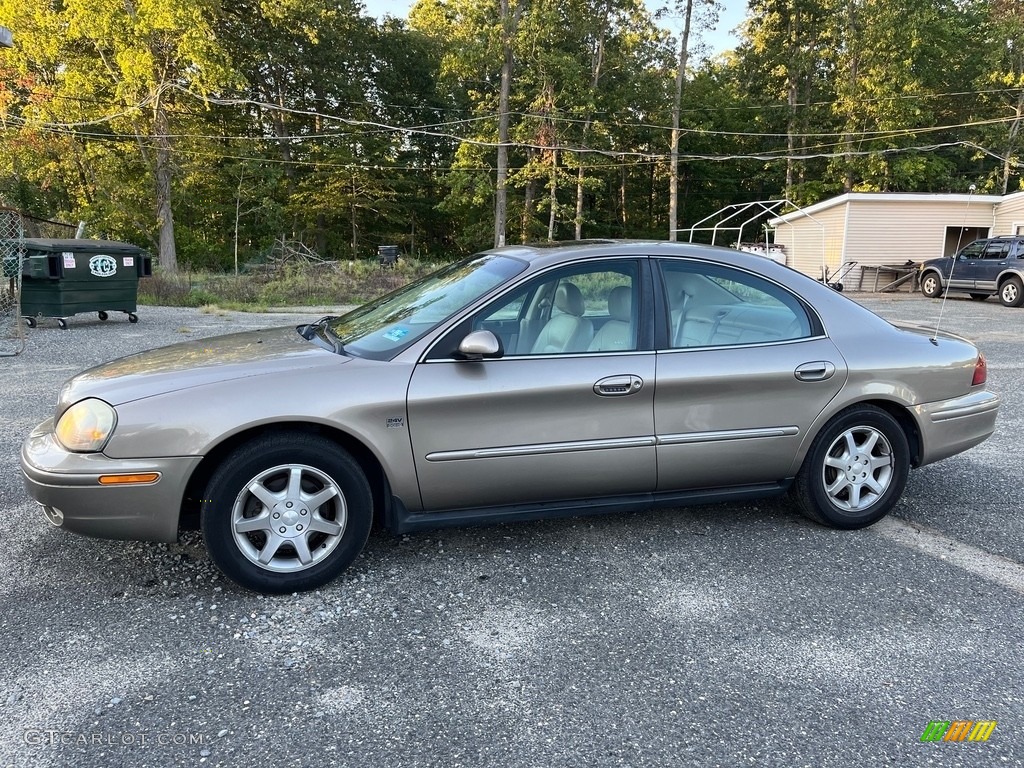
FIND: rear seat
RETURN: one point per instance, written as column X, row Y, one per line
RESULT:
column 717, row 325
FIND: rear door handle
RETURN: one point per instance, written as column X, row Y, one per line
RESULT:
column 819, row 370
column 617, row 386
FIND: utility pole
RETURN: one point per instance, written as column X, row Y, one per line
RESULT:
column 673, row 189
column 509, row 24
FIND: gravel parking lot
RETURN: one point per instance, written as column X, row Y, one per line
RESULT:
column 727, row 635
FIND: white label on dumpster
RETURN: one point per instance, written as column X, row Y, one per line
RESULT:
column 69, row 260
column 129, row 261
column 103, row 266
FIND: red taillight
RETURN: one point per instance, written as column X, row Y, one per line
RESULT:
column 980, row 371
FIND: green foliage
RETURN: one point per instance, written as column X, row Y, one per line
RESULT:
column 308, row 120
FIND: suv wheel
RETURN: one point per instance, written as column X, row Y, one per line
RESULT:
column 1011, row 292
column 931, row 285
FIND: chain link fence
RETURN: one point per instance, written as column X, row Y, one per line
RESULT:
column 12, row 253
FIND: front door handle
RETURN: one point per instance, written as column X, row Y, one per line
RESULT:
column 819, row 370
column 616, row 386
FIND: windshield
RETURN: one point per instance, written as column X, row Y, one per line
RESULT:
column 382, row 328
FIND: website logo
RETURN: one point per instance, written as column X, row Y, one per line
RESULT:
column 958, row 730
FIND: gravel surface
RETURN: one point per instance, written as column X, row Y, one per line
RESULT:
column 729, row 635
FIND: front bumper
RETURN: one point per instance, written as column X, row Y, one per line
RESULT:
column 68, row 484
column 951, row 426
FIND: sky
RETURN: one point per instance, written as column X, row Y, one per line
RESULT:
column 719, row 39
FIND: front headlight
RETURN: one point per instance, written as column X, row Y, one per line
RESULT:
column 86, row 426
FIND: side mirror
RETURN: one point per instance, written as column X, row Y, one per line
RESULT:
column 480, row 345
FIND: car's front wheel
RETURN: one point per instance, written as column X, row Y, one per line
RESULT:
column 1011, row 292
column 286, row 513
column 856, row 469
column 931, row 285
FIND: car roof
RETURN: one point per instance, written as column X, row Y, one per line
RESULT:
column 547, row 254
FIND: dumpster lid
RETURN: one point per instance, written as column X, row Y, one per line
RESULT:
column 79, row 245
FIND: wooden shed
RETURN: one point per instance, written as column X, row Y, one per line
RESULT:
column 866, row 231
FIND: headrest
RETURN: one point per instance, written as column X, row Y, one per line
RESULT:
column 569, row 299
column 620, row 302
column 689, row 284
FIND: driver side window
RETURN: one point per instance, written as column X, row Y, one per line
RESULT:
column 973, row 251
column 583, row 309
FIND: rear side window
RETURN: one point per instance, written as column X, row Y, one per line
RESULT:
column 997, row 249
column 711, row 306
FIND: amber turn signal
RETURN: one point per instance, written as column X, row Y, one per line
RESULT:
column 141, row 479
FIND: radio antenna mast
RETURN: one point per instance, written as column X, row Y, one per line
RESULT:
column 959, row 242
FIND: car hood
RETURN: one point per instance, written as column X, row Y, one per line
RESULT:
column 196, row 363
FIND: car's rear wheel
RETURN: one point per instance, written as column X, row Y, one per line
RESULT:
column 931, row 285
column 856, row 469
column 979, row 296
column 286, row 513
column 1011, row 292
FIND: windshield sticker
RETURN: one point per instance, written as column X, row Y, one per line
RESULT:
column 396, row 334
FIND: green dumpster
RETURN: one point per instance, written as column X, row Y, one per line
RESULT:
column 61, row 278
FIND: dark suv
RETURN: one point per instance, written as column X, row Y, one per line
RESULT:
column 982, row 268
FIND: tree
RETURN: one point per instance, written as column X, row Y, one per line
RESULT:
column 124, row 64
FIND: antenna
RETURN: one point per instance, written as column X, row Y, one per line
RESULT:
column 959, row 241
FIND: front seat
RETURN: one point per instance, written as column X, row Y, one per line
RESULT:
column 617, row 333
column 568, row 331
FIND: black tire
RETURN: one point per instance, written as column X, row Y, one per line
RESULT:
column 62, row 323
column 979, row 296
column 831, row 494
column 102, row 315
column 931, row 285
column 1011, row 292
column 30, row 322
column 132, row 317
column 291, row 469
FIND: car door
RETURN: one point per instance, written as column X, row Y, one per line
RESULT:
column 968, row 266
column 744, row 370
column 561, row 414
column 993, row 262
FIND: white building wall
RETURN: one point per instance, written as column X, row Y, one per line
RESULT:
column 1009, row 218
column 813, row 241
column 881, row 229
column 892, row 233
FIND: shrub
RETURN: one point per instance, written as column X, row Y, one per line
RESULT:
column 296, row 284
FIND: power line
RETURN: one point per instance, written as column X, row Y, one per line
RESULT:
column 434, row 131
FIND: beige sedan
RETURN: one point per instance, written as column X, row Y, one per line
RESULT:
column 521, row 383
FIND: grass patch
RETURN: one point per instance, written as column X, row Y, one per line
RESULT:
column 348, row 282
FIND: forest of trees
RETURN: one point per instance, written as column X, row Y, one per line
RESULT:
column 204, row 130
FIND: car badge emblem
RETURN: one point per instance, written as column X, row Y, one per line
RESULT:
column 103, row 266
